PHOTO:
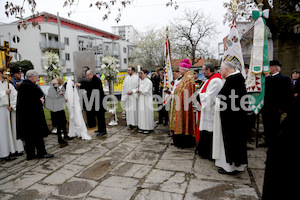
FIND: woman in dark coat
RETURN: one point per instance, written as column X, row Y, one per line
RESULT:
column 31, row 123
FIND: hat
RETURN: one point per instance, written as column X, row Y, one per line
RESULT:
column 185, row 64
column 275, row 62
column 14, row 70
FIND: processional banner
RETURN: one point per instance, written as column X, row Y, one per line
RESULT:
column 233, row 50
column 259, row 63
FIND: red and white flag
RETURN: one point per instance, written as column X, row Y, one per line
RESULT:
column 168, row 75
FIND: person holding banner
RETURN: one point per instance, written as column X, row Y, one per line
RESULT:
column 130, row 83
column 8, row 139
column 208, row 93
column 183, row 119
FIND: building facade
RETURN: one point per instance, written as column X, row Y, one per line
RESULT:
column 127, row 32
column 32, row 43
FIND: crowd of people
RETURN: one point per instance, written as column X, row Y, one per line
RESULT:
column 198, row 118
column 213, row 118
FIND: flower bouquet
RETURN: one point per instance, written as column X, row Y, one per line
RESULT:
column 52, row 65
column 110, row 65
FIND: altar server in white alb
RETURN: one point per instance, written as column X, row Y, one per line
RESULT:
column 130, row 83
column 145, row 103
column 8, row 139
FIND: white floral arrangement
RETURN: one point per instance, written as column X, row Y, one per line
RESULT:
column 110, row 65
column 52, row 65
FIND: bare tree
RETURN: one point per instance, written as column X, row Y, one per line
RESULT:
column 194, row 32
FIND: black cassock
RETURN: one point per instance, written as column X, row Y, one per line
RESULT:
column 234, row 123
column 31, row 122
column 96, row 84
column 282, row 171
column 278, row 99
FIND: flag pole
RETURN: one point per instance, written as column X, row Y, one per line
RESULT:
column 234, row 7
column 8, row 96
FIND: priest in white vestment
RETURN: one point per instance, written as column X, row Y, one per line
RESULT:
column 8, row 138
column 145, row 103
column 130, row 83
column 208, row 93
column 77, row 127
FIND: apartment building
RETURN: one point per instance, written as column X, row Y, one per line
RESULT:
column 127, row 32
column 32, row 42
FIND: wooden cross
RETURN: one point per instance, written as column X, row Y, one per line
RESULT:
column 7, row 60
column 7, row 50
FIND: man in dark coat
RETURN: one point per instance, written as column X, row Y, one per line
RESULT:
column 281, row 171
column 278, row 100
column 96, row 84
column 233, row 120
column 31, row 123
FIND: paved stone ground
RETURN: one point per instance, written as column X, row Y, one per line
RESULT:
column 127, row 165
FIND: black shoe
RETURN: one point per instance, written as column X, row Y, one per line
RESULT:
column 62, row 141
column 159, row 123
column 9, row 158
column 101, row 134
column 223, row 171
column 48, row 155
column 97, row 131
column 66, row 137
column 166, row 124
column 17, row 154
column 130, row 127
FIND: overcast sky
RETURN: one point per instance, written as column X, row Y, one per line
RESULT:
column 141, row 14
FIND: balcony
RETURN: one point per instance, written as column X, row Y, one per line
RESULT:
column 51, row 45
column 109, row 53
column 97, row 49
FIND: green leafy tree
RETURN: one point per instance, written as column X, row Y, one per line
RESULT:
column 23, row 66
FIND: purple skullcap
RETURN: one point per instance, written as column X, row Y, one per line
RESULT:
column 185, row 64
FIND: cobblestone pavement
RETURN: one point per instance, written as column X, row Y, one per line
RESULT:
column 127, row 165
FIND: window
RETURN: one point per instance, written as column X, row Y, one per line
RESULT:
column 66, row 41
column 67, row 56
column 56, row 39
column 124, row 50
column 16, row 39
column 125, row 60
column 80, row 45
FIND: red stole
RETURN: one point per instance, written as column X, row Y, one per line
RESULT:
column 216, row 75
